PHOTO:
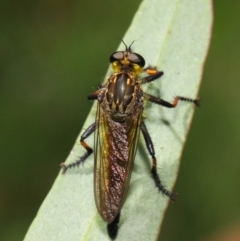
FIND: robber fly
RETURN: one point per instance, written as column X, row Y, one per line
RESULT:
column 119, row 120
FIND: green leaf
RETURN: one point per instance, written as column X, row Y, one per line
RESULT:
column 173, row 35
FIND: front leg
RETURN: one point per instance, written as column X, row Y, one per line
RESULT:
column 153, row 74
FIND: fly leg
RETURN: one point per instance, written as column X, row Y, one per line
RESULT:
column 151, row 151
column 153, row 75
column 167, row 104
column 89, row 150
column 112, row 227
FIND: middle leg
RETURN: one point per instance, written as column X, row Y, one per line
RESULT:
column 88, row 152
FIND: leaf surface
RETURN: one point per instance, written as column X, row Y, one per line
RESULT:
column 174, row 36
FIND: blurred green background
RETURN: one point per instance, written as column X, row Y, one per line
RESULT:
column 53, row 54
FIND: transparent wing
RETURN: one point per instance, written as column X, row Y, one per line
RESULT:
column 115, row 149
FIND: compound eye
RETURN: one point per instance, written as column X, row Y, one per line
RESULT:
column 136, row 59
column 117, row 56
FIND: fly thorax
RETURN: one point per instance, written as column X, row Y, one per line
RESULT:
column 121, row 94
